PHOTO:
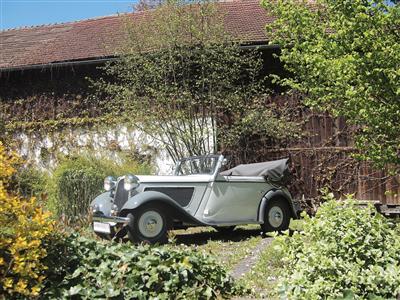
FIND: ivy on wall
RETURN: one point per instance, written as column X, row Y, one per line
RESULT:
column 45, row 114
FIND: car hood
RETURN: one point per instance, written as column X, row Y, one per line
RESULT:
column 172, row 178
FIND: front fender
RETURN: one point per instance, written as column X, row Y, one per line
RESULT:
column 103, row 202
column 275, row 193
column 158, row 198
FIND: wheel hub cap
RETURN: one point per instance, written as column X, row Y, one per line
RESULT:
column 150, row 224
column 275, row 216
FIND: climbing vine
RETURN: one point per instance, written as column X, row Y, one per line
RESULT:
column 47, row 117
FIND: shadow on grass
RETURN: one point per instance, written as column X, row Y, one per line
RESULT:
column 188, row 237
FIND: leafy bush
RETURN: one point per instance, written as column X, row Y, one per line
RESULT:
column 23, row 228
column 123, row 271
column 29, row 181
column 62, row 259
column 78, row 179
column 344, row 251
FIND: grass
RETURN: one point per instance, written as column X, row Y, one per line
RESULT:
column 262, row 277
column 228, row 248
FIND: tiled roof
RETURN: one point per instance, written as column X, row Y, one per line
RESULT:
column 97, row 38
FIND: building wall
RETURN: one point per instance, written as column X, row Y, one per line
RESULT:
column 320, row 158
column 50, row 96
column 323, row 157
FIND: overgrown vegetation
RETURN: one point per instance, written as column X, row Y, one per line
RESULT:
column 23, row 228
column 184, row 80
column 68, row 189
column 345, row 56
column 344, row 251
column 29, row 181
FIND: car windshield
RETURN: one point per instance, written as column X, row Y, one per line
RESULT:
column 197, row 165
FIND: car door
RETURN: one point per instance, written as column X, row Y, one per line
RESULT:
column 234, row 200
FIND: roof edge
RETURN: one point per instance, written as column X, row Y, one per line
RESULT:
column 98, row 60
column 59, row 64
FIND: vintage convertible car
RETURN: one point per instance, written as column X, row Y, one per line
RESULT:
column 198, row 194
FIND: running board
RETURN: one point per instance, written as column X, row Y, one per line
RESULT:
column 389, row 210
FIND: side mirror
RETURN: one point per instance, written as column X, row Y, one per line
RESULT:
column 224, row 162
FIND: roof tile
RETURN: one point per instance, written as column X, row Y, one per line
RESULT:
column 96, row 38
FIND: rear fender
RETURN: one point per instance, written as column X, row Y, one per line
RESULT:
column 159, row 200
column 273, row 194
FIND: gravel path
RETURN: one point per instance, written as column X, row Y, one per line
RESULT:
column 248, row 262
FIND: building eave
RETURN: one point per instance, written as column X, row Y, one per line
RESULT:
column 98, row 61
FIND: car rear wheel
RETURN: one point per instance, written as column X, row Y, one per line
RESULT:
column 149, row 225
column 276, row 216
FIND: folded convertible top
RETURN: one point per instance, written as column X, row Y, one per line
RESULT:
column 275, row 171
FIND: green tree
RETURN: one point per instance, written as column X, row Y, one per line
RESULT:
column 180, row 74
column 345, row 56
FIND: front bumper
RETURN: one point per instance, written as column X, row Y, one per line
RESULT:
column 110, row 227
column 111, row 219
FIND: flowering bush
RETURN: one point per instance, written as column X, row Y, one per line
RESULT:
column 23, row 227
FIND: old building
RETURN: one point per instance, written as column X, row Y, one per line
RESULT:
column 43, row 77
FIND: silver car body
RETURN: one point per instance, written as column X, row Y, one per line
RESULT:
column 196, row 199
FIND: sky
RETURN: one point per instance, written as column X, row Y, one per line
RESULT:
column 19, row 13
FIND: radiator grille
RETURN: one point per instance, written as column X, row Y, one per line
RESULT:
column 121, row 195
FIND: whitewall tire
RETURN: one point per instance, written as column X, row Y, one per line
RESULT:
column 149, row 225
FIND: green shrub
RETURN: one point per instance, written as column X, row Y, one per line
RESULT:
column 123, row 271
column 345, row 251
column 29, row 182
column 78, row 179
column 62, row 259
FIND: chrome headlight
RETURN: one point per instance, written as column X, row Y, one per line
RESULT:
column 109, row 183
column 131, row 182
column 95, row 208
column 114, row 210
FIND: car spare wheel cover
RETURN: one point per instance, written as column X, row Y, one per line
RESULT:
column 150, row 224
column 275, row 216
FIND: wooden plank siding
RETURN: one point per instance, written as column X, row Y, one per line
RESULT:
column 323, row 158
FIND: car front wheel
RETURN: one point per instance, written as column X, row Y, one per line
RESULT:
column 277, row 216
column 149, row 225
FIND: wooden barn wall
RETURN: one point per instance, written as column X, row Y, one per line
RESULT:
column 322, row 157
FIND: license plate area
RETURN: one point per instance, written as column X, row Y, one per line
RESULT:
column 102, row 227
